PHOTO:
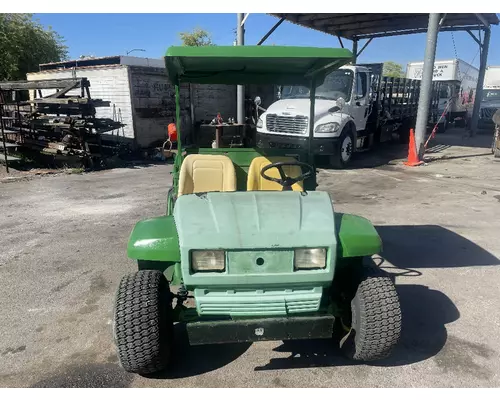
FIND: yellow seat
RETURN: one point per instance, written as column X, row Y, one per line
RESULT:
column 206, row 173
column 255, row 180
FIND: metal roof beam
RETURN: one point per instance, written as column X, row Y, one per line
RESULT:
column 389, row 26
column 474, row 37
column 364, row 47
column 481, row 18
column 412, row 31
column 264, row 38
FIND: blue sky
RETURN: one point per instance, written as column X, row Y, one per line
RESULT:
column 114, row 34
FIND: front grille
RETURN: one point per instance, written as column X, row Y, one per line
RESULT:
column 280, row 145
column 282, row 124
column 259, row 302
column 488, row 112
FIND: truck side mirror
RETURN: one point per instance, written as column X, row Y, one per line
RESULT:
column 340, row 103
column 258, row 101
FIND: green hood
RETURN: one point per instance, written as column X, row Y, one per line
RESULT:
column 248, row 225
column 249, row 220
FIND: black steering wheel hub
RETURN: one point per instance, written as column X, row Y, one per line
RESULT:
column 287, row 181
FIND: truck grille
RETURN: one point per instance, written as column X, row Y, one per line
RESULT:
column 281, row 124
column 488, row 112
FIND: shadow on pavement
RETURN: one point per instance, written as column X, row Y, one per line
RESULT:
column 196, row 360
column 430, row 246
column 425, row 315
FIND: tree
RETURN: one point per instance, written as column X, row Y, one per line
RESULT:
column 199, row 37
column 393, row 69
column 24, row 44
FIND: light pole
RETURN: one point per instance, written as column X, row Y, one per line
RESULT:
column 130, row 51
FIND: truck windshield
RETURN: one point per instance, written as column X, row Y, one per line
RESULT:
column 337, row 84
column 491, row 94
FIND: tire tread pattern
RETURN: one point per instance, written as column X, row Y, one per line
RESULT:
column 376, row 316
column 141, row 322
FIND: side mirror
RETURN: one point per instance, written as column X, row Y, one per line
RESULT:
column 340, row 103
column 258, row 101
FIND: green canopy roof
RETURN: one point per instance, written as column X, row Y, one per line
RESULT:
column 234, row 65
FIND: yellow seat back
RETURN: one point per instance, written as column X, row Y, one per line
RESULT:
column 206, row 173
column 255, row 180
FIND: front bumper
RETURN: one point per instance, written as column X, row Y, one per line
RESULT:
column 263, row 329
column 321, row 146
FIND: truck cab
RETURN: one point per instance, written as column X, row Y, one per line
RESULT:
column 343, row 105
column 490, row 103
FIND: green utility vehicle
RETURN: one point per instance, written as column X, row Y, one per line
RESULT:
column 248, row 240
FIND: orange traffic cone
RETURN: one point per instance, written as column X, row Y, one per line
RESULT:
column 413, row 160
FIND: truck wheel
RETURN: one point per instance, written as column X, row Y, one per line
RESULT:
column 143, row 322
column 344, row 151
column 374, row 327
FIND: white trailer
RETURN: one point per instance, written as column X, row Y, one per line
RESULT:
column 458, row 88
column 490, row 102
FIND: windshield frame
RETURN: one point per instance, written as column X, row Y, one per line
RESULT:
column 319, row 96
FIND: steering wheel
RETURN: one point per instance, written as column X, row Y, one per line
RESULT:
column 286, row 181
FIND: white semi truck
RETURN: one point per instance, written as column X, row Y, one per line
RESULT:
column 355, row 108
column 490, row 102
column 458, row 88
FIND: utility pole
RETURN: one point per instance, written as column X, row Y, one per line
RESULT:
column 240, row 90
column 426, row 83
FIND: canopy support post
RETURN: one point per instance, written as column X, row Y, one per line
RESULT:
column 240, row 89
column 354, row 50
column 426, row 84
column 312, row 98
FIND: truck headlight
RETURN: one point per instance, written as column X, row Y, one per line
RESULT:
column 208, row 260
column 309, row 258
column 260, row 123
column 328, row 127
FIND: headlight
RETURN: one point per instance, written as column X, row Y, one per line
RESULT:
column 328, row 127
column 208, row 260
column 260, row 123
column 309, row 258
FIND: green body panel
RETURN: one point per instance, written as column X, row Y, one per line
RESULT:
column 232, row 65
column 154, row 239
column 248, row 303
column 245, row 262
column 357, row 236
column 256, row 223
column 243, row 157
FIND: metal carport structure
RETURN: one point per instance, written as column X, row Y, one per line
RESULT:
column 367, row 27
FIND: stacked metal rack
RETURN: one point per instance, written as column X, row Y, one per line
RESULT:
column 62, row 123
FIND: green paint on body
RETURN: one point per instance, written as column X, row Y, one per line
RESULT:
column 357, row 236
column 248, row 303
column 154, row 239
column 232, row 65
column 265, row 261
column 252, row 225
